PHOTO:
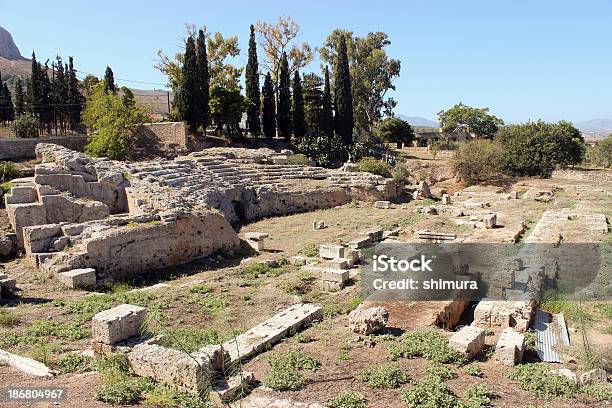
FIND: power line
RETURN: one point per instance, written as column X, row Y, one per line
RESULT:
column 123, row 79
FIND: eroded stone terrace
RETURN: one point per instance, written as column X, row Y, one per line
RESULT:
column 127, row 218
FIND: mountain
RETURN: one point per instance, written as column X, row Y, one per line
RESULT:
column 418, row 121
column 8, row 49
column 595, row 126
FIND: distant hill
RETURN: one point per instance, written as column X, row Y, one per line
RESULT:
column 8, row 48
column 595, row 125
column 418, row 121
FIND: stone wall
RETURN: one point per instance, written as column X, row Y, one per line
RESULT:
column 163, row 136
column 12, row 148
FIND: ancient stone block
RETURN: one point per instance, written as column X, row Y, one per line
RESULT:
column 384, row 205
column 256, row 236
column 375, row 234
column 510, row 347
column 332, row 251
column 170, row 366
column 335, row 275
column 119, row 323
column 339, row 263
column 469, row 340
column 362, row 242
column 256, row 245
column 370, row 320
column 564, row 372
column 490, row 220
column 78, row 278
column 446, row 200
column 235, row 386
column 594, row 376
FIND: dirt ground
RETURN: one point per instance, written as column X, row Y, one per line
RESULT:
column 234, row 300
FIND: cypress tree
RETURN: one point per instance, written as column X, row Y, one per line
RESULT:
column 3, row 109
column 46, row 100
column 188, row 91
column 252, row 87
column 19, row 98
column 327, row 122
column 299, row 123
column 284, row 99
column 7, row 104
column 75, row 99
column 343, row 95
column 203, row 83
column 59, row 95
column 268, row 113
column 109, row 81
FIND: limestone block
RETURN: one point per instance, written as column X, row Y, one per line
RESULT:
column 510, row 347
column 422, row 191
column 362, row 242
column 596, row 375
column 256, row 236
column 26, row 365
column 213, row 356
column 370, row 320
column 8, row 244
column 298, row 260
column 490, row 220
column 235, row 386
column 335, row 275
column 170, row 366
column 332, row 251
column 564, row 372
column 119, row 323
column 256, row 245
column 384, row 205
column 375, row 234
column 446, row 200
column 339, row 263
column 78, row 278
column 469, row 340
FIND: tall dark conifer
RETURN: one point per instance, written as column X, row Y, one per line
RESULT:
column 186, row 99
column 299, row 123
column 252, row 87
column 343, row 95
column 203, row 83
column 268, row 107
column 7, row 104
column 75, row 99
column 109, row 81
column 19, row 98
column 283, row 111
column 327, row 122
column 59, row 95
column 46, row 102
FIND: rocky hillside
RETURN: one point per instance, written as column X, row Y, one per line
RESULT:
column 8, row 49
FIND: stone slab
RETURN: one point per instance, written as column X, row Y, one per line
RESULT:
column 78, row 278
column 332, row 251
column 469, row 340
column 119, row 323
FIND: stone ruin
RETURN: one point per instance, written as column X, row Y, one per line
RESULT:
column 122, row 218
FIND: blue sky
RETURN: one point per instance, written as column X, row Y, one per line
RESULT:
column 523, row 59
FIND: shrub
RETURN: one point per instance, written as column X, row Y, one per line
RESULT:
column 536, row 379
column 599, row 392
column 430, row 392
column 601, row 154
column 257, row 269
column 310, row 250
column 68, row 331
column 442, row 372
column 347, row 399
column 119, row 389
column 201, row 288
column 478, row 161
column 73, row 363
column 371, row 165
column 297, row 284
column 286, row 373
column 427, row 343
column 26, row 125
column 8, row 171
column 8, row 318
column 400, row 173
column 476, row 396
column 388, row 375
column 190, row 339
column 325, row 152
column 474, row 370
column 536, row 148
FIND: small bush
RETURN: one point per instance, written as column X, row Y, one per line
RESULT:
column 8, row 318
column 8, row 172
column 25, row 125
column 310, row 250
column 430, row 392
column 284, row 379
column 427, row 343
column 442, row 372
column 191, row 339
column 388, row 375
column 298, row 284
column 113, row 362
column 68, row 331
column 201, row 288
column 474, row 370
column 295, row 359
column 73, row 363
column 257, row 269
column 479, row 161
column 374, row 166
column 476, row 396
column 347, row 399
column 119, row 389
column 599, row 392
column 536, row 379
column 400, row 173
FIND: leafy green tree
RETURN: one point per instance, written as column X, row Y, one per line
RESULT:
column 395, row 130
column 268, row 107
column 283, row 110
column 477, row 121
column 299, row 122
column 19, row 98
column 226, row 107
column 601, row 153
column 479, row 160
column 8, row 113
column 203, row 83
column 87, row 85
column 185, row 102
column 252, row 87
column 312, row 91
column 536, row 148
column 326, row 152
column 113, row 121
column 109, row 81
column 327, row 123
column 343, row 95
column 26, row 125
